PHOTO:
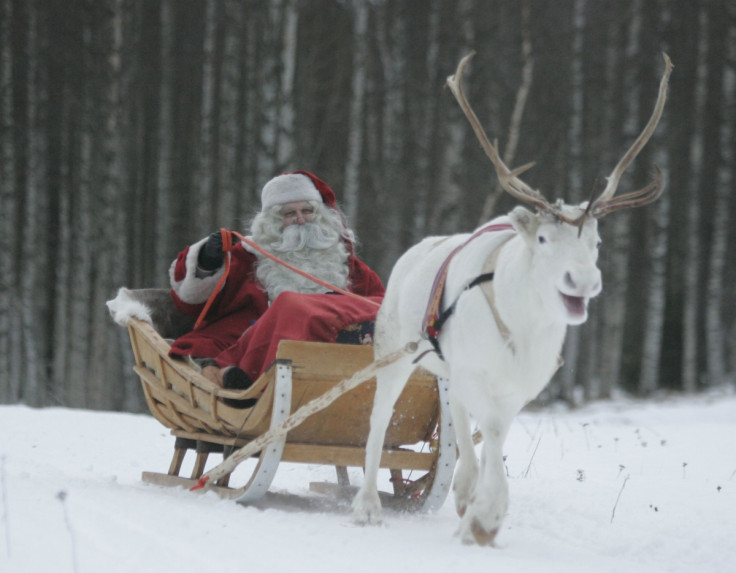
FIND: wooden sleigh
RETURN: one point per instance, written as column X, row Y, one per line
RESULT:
column 419, row 450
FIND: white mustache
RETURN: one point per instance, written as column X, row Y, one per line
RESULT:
column 307, row 235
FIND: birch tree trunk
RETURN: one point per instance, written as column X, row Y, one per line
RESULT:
column 268, row 92
column 394, row 228
column 657, row 247
column 7, row 203
column 657, row 277
column 285, row 142
column 204, row 172
column 20, row 70
column 692, row 264
column 70, row 114
column 575, row 136
column 615, row 231
column 355, row 125
column 683, row 30
column 721, row 103
column 32, row 298
column 227, row 169
column 166, row 128
column 522, row 95
column 446, row 215
column 107, row 392
column 80, row 287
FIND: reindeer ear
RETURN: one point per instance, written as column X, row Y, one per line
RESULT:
column 524, row 221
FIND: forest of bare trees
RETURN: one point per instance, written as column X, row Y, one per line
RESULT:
column 131, row 128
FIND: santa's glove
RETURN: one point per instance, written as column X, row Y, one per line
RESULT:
column 211, row 255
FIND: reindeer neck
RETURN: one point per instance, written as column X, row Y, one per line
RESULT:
column 519, row 305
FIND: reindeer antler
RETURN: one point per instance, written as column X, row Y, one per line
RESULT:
column 508, row 178
column 605, row 203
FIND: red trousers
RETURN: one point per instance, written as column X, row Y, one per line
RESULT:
column 294, row 316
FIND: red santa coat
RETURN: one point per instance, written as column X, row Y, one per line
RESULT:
column 242, row 305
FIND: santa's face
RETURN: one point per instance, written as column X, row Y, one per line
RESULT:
column 297, row 213
column 306, row 235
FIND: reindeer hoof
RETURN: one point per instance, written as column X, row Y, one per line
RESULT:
column 363, row 516
column 366, row 509
column 461, row 509
column 367, row 520
column 481, row 536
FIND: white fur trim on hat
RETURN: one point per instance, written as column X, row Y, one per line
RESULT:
column 287, row 189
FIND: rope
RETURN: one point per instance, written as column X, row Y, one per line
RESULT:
column 227, row 246
column 320, row 282
column 230, row 463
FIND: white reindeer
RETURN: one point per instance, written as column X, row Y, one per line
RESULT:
column 501, row 344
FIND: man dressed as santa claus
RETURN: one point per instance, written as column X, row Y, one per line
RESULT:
column 262, row 301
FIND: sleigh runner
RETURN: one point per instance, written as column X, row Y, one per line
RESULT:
column 419, row 450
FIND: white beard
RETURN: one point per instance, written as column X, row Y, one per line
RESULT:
column 308, row 248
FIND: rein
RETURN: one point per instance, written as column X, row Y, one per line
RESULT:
column 227, row 246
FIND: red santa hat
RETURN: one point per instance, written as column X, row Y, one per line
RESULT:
column 296, row 186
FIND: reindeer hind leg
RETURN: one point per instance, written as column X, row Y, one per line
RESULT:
column 390, row 381
column 467, row 471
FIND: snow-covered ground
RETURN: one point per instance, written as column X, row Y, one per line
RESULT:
column 612, row 487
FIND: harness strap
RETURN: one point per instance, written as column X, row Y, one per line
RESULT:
column 433, row 317
column 490, row 266
column 479, row 280
column 438, row 286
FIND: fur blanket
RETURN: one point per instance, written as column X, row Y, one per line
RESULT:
column 153, row 306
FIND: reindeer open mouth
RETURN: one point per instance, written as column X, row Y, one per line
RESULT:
column 575, row 305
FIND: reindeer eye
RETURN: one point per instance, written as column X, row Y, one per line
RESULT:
column 542, row 239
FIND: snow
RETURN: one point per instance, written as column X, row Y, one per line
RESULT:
column 610, row 487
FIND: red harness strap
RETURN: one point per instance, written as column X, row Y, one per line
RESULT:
column 432, row 313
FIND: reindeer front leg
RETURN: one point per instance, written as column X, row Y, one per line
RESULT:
column 489, row 502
